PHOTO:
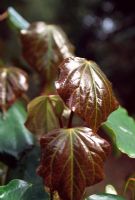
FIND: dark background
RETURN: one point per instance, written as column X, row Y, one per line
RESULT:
column 101, row 30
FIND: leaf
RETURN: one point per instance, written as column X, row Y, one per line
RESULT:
column 16, row 19
column 121, row 127
column 72, row 159
column 44, row 114
column 130, row 186
column 86, row 90
column 13, row 83
column 45, row 47
column 105, row 197
column 14, row 190
column 26, row 170
column 14, row 137
column 110, row 189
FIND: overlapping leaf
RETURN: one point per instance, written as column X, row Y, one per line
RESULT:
column 13, row 82
column 14, row 190
column 45, row 47
column 26, row 170
column 86, row 90
column 14, row 137
column 72, row 159
column 44, row 114
column 121, row 128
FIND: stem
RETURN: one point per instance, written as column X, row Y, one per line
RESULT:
column 3, row 16
column 59, row 118
column 16, row 19
column 70, row 119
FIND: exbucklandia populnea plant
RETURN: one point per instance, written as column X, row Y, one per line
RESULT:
column 75, row 100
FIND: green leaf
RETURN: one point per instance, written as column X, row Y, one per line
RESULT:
column 14, row 137
column 105, row 197
column 121, row 128
column 14, row 190
column 16, row 19
column 86, row 91
column 26, row 170
column 44, row 114
column 72, row 159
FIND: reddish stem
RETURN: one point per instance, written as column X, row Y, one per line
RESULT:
column 3, row 16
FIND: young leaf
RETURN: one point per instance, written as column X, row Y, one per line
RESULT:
column 121, row 127
column 45, row 47
column 14, row 137
column 13, row 83
column 105, row 197
column 86, row 90
column 72, row 159
column 44, row 114
column 14, row 190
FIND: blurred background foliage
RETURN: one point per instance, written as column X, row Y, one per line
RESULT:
column 101, row 30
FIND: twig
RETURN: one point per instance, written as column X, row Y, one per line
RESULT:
column 3, row 16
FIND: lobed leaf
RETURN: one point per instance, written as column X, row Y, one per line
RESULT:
column 45, row 47
column 14, row 137
column 86, row 91
column 44, row 113
column 72, row 159
column 13, row 83
column 121, row 127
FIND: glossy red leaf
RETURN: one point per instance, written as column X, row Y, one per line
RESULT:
column 45, row 47
column 13, row 83
column 86, row 90
column 72, row 159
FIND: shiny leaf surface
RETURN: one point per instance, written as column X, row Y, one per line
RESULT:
column 105, row 197
column 45, row 47
column 13, row 83
column 86, row 90
column 14, row 190
column 14, row 137
column 121, row 127
column 44, row 113
column 72, row 159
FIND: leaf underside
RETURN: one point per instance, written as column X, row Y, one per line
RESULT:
column 86, row 90
column 13, row 83
column 72, row 159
